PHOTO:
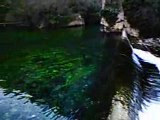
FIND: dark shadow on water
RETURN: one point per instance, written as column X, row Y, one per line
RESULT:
column 116, row 72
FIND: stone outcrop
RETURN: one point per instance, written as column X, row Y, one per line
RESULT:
column 78, row 21
column 119, row 107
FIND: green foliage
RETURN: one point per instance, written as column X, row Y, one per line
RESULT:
column 110, row 13
column 18, row 11
column 4, row 8
column 142, row 13
column 50, row 12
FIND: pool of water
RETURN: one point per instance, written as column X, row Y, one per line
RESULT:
column 73, row 74
column 55, row 67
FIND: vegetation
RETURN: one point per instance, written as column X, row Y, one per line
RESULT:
column 51, row 12
column 110, row 13
column 142, row 13
column 4, row 8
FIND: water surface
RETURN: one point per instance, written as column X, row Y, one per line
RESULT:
column 54, row 67
column 74, row 73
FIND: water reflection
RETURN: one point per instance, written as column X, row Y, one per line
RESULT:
column 17, row 106
column 147, row 87
column 116, row 74
column 136, row 72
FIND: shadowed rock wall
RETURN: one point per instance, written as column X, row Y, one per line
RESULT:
column 144, row 15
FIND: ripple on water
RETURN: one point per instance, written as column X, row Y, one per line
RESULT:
column 18, row 107
column 147, row 87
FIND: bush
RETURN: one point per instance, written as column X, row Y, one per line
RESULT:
column 47, row 12
column 144, row 15
column 4, row 8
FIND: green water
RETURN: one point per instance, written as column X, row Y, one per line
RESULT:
column 55, row 67
column 71, row 74
column 67, row 74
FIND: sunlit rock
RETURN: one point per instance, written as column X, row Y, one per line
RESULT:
column 78, row 21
